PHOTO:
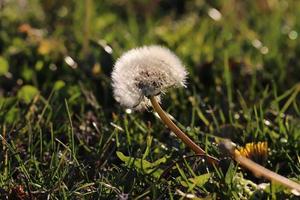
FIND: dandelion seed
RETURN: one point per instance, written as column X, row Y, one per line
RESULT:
column 141, row 75
column 144, row 72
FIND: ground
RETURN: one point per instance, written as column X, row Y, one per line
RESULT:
column 63, row 136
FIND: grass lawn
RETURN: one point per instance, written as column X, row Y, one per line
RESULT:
column 63, row 136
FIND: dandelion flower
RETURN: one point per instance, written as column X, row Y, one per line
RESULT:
column 257, row 152
column 144, row 72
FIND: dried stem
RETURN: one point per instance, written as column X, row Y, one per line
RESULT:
column 181, row 135
column 261, row 171
column 257, row 169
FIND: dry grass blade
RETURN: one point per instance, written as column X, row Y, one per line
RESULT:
column 257, row 169
column 181, row 135
column 261, row 171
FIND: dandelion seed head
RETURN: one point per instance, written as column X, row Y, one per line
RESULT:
column 143, row 72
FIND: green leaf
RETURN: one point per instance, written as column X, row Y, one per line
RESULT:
column 143, row 165
column 159, row 161
column 39, row 65
column 74, row 92
column 230, row 174
column 200, row 180
column 149, row 142
column 3, row 66
column 58, row 85
column 12, row 115
column 124, row 158
column 274, row 188
column 27, row 73
column 27, row 93
column 196, row 181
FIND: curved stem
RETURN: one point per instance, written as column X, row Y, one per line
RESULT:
column 181, row 135
column 261, row 171
column 257, row 169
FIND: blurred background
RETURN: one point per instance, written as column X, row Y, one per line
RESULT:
column 56, row 57
column 62, row 42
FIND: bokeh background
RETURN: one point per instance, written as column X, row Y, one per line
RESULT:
column 61, row 128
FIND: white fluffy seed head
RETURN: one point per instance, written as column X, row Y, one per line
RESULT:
column 143, row 72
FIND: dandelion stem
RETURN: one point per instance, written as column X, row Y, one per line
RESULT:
column 255, row 168
column 258, row 170
column 180, row 134
column 261, row 171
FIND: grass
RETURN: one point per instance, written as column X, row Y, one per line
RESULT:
column 64, row 137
